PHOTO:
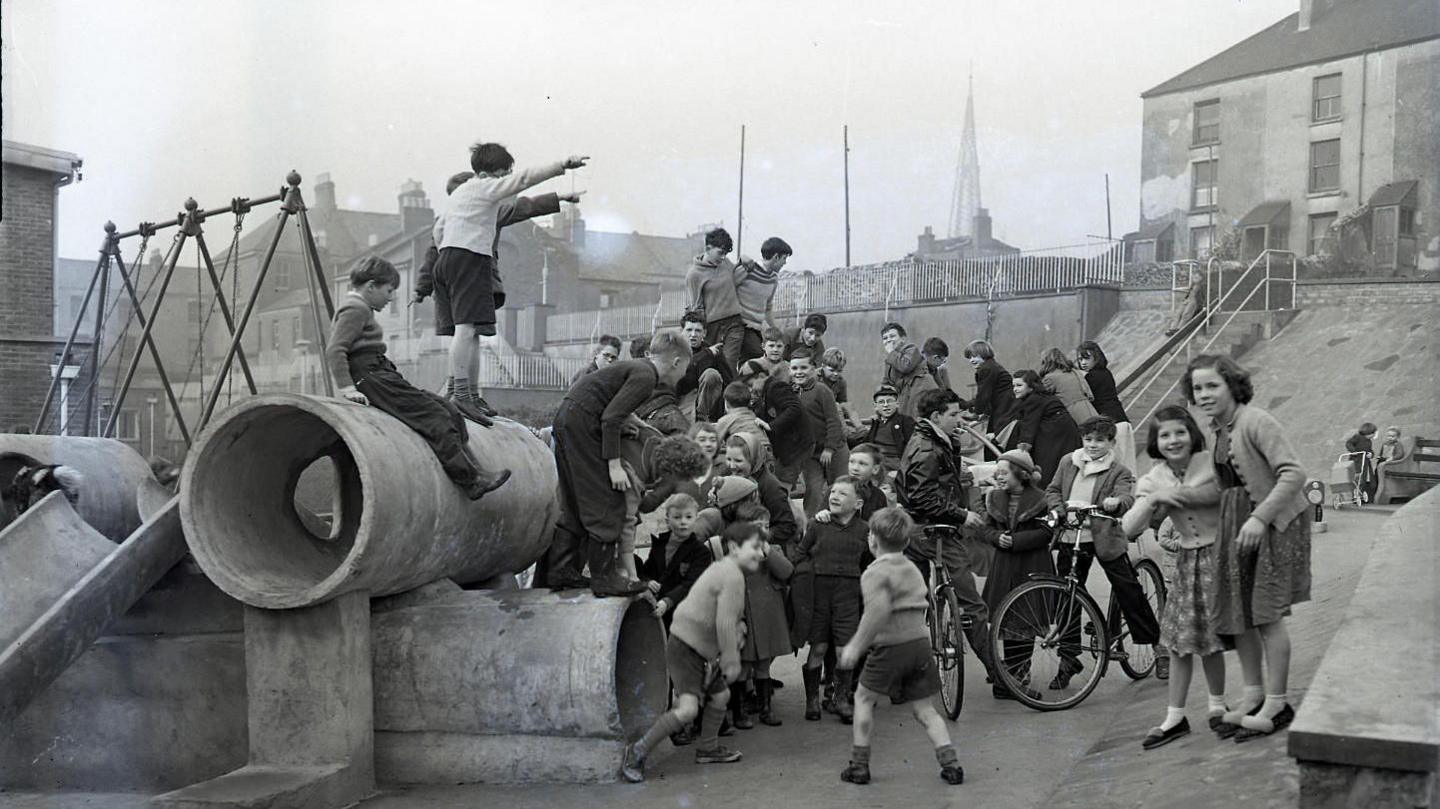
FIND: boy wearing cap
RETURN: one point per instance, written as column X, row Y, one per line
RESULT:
column 888, row 428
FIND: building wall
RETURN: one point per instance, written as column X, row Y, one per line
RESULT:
column 1265, row 137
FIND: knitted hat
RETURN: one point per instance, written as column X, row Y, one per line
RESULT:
column 817, row 322
column 1019, row 459
column 731, row 489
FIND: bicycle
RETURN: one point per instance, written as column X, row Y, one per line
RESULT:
column 946, row 623
column 1059, row 624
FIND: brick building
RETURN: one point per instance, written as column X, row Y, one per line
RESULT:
column 33, row 177
column 1319, row 135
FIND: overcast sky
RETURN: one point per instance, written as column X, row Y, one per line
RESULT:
column 214, row 99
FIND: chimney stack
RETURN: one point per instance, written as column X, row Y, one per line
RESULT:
column 982, row 228
column 577, row 226
column 415, row 210
column 324, row 192
column 1307, row 14
column 926, row 243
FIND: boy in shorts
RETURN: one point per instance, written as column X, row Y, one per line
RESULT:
column 703, row 652
column 900, row 664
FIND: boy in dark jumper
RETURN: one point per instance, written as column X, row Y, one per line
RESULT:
column 888, row 429
column 834, row 551
column 825, row 426
column 900, row 664
column 677, row 557
column 703, row 652
column 356, row 358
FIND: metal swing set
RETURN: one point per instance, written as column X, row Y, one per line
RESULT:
column 190, row 224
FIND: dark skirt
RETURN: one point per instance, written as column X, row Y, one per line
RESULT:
column 768, row 632
column 1258, row 587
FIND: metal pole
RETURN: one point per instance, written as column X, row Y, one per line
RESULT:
column 307, row 246
column 74, row 331
column 847, row 194
column 175, row 252
column 148, row 341
column 1109, row 231
column 310, row 282
column 740, row 216
column 224, row 312
column 99, row 336
column 249, row 306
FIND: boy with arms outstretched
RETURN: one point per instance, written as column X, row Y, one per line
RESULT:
column 900, row 664
column 703, row 652
column 363, row 374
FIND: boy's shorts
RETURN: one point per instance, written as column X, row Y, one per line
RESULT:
column 837, row 610
column 905, row 672
column 688, row 670
column 464, row 291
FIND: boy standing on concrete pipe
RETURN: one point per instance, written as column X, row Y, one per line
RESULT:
column 593, row 480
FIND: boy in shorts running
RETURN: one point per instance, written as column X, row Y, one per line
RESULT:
column 900, row 664
column 703, row 652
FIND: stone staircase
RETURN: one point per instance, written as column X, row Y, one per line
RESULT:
column 1241, row 334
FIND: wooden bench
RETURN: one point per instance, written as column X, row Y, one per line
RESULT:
column 1418, row 455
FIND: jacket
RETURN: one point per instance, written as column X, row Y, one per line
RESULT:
column 789, row 427
column 1116, row 481
column 994, row 396
column 824, row 416
column 1030, row 536
column 662, row 411
column 1044, row 424
column 1105, row 396
column 907, row 371
column 931, row 483
column 1074, row 392
column 1199, row 521
column 892, row 434
column 677, row 577
column 703, row 359
column 832, row 549
column 1267, row 465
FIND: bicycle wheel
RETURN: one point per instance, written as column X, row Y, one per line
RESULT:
column 1040, row 627
column 949, row 654
column 1139, row 661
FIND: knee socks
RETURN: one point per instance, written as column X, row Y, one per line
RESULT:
column 710, row 727
column 666, row 726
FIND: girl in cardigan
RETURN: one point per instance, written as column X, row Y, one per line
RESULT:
column 1263, row 541
column 1182, row 487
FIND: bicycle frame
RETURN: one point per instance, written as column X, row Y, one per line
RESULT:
column 1114, row 635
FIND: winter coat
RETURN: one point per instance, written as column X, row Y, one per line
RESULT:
column 1074, row 392
column 932, row 481
column 1031, row 535
column 1106, row 397
column 790, row 435
column 1117, row 481
column 765, row 608
column 907, row 371
column 1044, row 424
column 677, row 577
column 994, row 396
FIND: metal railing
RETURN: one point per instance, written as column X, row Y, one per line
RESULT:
column 884, row 285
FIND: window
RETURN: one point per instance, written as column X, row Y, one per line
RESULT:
column 1407, row 221
column 1165, row 250
column 1207, row 122
column 374, row 239
column 295, row 334
column 127, row 427
column 1320, row 242
column 1201, row 240
column 1325, row 165
column 321, row 239
column 604, row 300
column 1327, row 98
column 1204, row 190
column 281, row 270
column 275, row 334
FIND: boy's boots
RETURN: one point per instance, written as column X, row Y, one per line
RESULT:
column 765, row 691
column 607, row 575
column 562, row 561
column 738, row 717
column 812, row 692
column 484, row 484
column 844, row 708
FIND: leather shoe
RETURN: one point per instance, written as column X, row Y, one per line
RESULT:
column 1157, row 737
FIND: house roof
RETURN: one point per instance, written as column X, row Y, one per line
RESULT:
column 1266, row 213
column 1151, row 232
column 40, row 157
column 1394, row 193
column 633, row 258
column 1346, row 28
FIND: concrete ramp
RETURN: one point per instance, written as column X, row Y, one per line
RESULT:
column 64, row 584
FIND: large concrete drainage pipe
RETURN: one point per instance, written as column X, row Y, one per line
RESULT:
column 258, row 474
column 112, row 472
column 514, row 687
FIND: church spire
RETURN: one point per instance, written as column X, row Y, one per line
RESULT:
column 965, row 203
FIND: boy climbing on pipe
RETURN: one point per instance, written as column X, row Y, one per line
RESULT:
column 593, row 481
column 363, row 374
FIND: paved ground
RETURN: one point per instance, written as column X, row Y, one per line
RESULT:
column 1013, row 757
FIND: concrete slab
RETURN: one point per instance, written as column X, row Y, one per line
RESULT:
column 43, row 554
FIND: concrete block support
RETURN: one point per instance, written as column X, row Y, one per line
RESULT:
column 311, row 712
column 514, row 687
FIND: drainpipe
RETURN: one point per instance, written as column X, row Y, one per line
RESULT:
column 1364, row 93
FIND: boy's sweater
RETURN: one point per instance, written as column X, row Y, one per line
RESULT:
column 471, row 219
column 710, row 288
column 895, row 603
column 353, row 329
column 835, row 549
column 824, row 415
column 709, row 617
column 740, row 420
column 755, row 292
column 777, row 369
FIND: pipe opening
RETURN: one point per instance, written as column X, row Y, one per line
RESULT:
column 282, row 501
column 641, row 683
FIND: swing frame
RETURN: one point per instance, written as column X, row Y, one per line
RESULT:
column 191, row 224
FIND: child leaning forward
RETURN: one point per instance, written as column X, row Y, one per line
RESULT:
column 363, row 374
column 900, row 664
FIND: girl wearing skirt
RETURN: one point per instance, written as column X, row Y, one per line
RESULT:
column 1181, row 486
column 1262, row 548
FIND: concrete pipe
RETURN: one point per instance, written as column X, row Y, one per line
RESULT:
column 514, row 687
column 113, row 472
column 395, row 520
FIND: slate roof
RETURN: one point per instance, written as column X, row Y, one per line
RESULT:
column 1345, row 29
column 1394, row 193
